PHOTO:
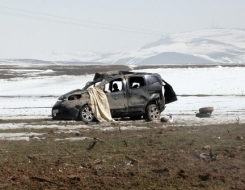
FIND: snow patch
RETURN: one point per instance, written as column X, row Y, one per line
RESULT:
column 73, row 139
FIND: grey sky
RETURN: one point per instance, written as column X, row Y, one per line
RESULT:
column 25, row 34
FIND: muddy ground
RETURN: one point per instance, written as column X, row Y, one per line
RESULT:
column 13, row 71
column 152, row 155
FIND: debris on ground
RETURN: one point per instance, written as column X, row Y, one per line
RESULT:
column 207, row 147
column 238, row 120
column 213, row 156
column 239, row 138
column 205, row 112
column 164, row 119
column 167, row 119
column 132, row 161
column 210, row 155
column 203, row 115
column 171, row 118
column 203, row 155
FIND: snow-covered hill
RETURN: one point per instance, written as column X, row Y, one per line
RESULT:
column 199, row 47
column 209, row 46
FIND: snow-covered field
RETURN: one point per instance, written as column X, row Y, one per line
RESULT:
column 220, row 87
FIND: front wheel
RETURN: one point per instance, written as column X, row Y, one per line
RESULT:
column 152, row 112
column 86, row 114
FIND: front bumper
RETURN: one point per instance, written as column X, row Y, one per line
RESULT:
column 60, row 112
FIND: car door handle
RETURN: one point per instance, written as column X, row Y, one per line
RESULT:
column 116, row 98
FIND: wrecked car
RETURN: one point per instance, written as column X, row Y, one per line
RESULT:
column 129, row 94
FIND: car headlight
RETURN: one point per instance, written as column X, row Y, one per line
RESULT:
column 55, row 112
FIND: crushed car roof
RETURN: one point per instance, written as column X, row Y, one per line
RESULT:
column 100, row 76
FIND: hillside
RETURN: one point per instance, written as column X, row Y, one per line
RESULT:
column 223, row 46
column 209, row 46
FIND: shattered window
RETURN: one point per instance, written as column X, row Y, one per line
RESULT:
column 114, row 86
column 136, row 82
column 152, row 80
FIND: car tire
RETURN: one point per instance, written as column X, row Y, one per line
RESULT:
column 86, row 114
column 152, row 113
column 206, row 110
column 203, row 115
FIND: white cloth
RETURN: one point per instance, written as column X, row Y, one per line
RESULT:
column 99, row 104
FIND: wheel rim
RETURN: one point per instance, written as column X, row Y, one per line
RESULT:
column 87, row 114
column 154, row 113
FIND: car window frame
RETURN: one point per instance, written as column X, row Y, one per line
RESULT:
column 140, row 86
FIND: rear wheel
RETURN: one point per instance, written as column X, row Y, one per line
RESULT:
column 152, row 112
column 86, row 114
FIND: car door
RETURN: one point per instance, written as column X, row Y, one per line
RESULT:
column 169, row 93
column 117, row 99
column 137, row 96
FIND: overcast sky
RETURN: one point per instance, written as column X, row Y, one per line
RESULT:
column 31, row 28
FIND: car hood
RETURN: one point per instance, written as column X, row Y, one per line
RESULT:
column 77, row 91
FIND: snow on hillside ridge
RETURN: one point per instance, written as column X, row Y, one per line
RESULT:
column 205, row 46
column 209, row 46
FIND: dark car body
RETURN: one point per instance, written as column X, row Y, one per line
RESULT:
column 136, row 92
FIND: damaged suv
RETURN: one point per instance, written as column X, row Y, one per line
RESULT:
column 129, row 94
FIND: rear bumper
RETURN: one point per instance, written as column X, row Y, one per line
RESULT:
column 161, row 104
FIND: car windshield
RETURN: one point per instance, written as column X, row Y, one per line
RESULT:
column 92, row 84
column 88, row 85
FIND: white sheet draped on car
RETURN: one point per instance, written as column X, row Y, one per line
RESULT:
column 99, row 104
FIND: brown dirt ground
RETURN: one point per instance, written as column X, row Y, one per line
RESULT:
column 75, row 70
column 156, row 158
column 6, row 71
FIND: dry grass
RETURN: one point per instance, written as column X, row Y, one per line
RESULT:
column 145, row 159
